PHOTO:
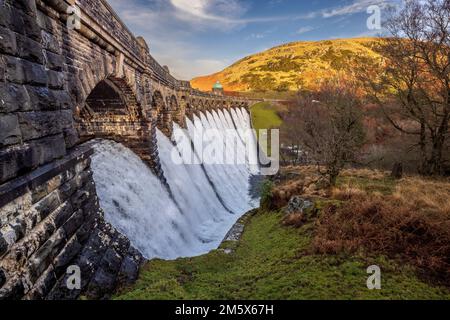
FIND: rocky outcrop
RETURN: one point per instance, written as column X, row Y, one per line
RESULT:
column 298, row 204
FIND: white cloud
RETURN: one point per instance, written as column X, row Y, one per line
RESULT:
column 356, row 7
column 303, row 30
column 198, row 11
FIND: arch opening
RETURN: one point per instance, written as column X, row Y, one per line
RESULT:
column 164, row 118
column 111, row 110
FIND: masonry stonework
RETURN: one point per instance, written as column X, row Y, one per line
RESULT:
column 60, row 88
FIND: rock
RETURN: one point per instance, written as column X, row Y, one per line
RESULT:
column 235, row 232
column 129, row 272
column 298, row 205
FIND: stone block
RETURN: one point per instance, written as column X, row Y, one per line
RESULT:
column 8, row 43
column 41, row 190
column 42, row 98
column 67, row 254
column 9, row 130
column 14, row 208
column 62, row 214
column 54, row 61
column 55, row 80
column 29, row 49
column 13, row 97
column 27, row 6
column 24, row 72
column 5, row 15
column 14, row 69
column 51, row 43
column 48, row 204
column 16, row 21
column 71, row 137
column 47, row 149
column 73, row 223
column 20, row 227
column 13, row 162
column 64, row 100
column 42, row 258
column 32, row 29
column 43, row 285
column 34, row 73
column 69, row 188
column 39, row 124
column 20, row 159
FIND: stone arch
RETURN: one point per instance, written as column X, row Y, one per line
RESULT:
column 185, row 107
column 177, row 111
column 106, row 109
column 201, row 105
column 224, row 104
column 209, row 104
column 164, row 116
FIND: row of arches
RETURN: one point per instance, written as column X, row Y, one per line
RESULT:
column 113, row 108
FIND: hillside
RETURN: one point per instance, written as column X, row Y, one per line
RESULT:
column 293, row 66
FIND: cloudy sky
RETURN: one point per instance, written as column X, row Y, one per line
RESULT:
column 199, row 37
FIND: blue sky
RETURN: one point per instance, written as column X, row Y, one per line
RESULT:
column 199, row 37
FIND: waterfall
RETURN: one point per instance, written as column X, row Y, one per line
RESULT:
column 206, row 199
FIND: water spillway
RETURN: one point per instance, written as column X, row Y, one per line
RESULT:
column 206, row 198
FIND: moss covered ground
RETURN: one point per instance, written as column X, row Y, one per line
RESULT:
column 273, row 262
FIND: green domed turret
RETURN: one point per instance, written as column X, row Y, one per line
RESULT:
column 217, row 88
column 218, row 85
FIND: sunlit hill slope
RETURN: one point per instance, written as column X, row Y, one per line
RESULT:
column 293, row 66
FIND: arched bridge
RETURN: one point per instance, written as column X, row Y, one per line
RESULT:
column 61, row 86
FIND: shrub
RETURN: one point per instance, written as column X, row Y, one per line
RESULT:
column 295, row 220
column 266, row 194
column 386, row 226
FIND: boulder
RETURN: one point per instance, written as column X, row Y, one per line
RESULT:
column 298, row 205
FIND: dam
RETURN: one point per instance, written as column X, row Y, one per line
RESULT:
column 88, row 125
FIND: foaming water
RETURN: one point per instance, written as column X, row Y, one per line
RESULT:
column 207, row 199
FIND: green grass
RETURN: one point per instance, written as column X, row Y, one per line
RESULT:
column 385, row 186
column 271, row 262
column 264, row 116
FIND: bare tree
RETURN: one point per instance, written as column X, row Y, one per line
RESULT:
column 414, row 85
column 327, row 125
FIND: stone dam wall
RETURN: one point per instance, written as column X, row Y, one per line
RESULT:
column 58, row 89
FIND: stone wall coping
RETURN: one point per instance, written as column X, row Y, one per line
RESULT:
column 11, row 190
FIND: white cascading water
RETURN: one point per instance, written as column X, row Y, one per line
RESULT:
column 207, row 199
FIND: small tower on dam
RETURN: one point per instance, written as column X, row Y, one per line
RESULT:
column 217, row 89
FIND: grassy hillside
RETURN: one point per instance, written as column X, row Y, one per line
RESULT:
column 265, row 116
column 276, row 260
column 293, row 66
